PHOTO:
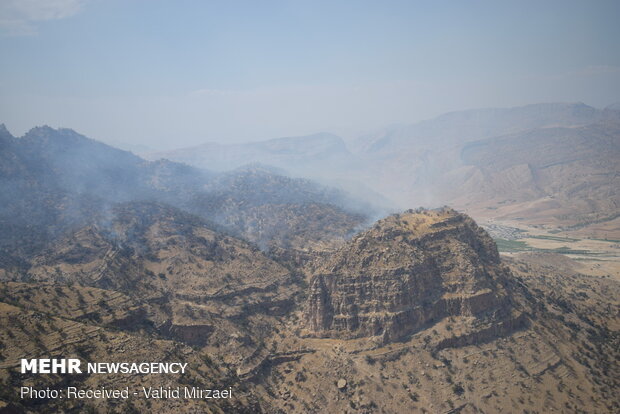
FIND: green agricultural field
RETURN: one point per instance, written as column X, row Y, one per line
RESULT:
column 512, row 246
column 515, row 246
column 555, row 238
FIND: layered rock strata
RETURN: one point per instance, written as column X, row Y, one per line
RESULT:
column 406, row 271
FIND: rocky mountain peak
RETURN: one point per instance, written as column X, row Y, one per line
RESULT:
column 408, row 270
column 4, row 133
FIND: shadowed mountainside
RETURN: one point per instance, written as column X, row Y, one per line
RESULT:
column 107, row 257
column 52, row 181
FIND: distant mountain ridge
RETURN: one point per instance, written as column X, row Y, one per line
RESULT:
column 430, row 162
column 474, row 124
column 53, row 181
column 278, row 152
column 270, row 285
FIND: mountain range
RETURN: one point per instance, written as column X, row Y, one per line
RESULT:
column 57, row 179
column 294, row 293
column 555, row 162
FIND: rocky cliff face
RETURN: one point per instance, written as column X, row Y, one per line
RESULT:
column 193, row 279
column 406, row 271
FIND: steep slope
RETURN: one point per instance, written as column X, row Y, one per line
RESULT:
column 323, row 157
column 80, row 165
column 27, row 333
column 278, row 212
column 451, row 328
column 54, row 181
column 193, row 278
column 524, row 174
column 547, row 163
column 575, row 170
column 406, row 271
column 419, row 314
column 435, row 161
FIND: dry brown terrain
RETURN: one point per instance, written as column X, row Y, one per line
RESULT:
column 529, row 333
column 272, row 286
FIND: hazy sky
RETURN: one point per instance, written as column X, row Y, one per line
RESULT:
column 177, row 73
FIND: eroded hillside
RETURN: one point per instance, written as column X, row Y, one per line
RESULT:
column 274, row 286
column 407, row 271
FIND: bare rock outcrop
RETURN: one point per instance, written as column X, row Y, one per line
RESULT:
column 406, row 271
